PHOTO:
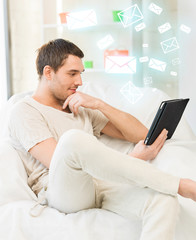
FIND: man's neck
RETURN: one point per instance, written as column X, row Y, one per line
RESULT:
column 43, row 96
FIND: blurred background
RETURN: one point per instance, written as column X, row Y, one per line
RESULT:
column 150, row 43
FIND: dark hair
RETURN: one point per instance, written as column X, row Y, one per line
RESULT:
column 54, row 53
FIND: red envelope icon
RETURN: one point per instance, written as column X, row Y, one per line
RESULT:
column 120, row 64
column 115, row 52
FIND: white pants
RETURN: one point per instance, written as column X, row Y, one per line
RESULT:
column 140, row 189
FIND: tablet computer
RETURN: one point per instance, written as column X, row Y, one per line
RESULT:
column 168, row 116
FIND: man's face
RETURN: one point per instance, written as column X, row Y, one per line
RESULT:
column 67, row 79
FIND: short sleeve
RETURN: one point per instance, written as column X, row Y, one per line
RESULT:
column 98, row 121
column 27, row 126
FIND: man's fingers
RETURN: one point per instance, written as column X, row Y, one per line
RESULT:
column 75, row 107
column 158, row 143
column 67, row 101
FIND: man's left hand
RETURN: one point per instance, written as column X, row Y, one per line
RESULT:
column 145, row 152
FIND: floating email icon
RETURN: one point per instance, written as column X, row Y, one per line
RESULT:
column 170, row 45
column 155, row 9
column 175, row 74
column 131, row 92
column 185, row 28
column 157, row 64
column 81, row 19
column 105, row 42
column 145, row 45
column 120, row 64
column 130, row 15
column 147, row 80
column 144, row 59
column 164, row 28
column 140, row 27
column 176, row 61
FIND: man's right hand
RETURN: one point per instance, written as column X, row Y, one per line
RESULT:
column 149, row 152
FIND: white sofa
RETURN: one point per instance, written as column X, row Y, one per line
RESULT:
column 16, row 198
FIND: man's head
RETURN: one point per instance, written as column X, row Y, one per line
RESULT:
column 59, row 66
column 55, row 53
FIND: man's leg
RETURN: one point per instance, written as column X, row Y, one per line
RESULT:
column 158, row 212
column 79, row 156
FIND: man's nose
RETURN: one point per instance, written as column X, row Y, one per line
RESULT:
column 79, row 81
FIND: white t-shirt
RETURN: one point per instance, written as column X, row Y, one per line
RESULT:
column 31, row 122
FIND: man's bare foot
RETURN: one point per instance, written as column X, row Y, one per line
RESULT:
column 187, row 188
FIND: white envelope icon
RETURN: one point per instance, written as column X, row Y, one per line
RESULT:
column 145, row 45
column 185, row 28
column 147, row 80
column 176, row 61
column 154, row 8
column 164, row 28
column 130, row 15
column 157, row 64
column 105, row 42
column 140, row 26
column 169, row 45
column 131, row 92
column 120, row 64
column 173, row 73
column 81, row 19
column 144, row 59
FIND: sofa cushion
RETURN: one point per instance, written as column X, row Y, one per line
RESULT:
column 13, row 181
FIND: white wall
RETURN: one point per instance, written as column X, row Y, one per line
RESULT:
column 3, row 78
column 187, row 82
column 25, row 37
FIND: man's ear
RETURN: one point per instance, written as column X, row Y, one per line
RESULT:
column 47, row 72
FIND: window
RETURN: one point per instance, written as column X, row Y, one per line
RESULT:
column 4, row 53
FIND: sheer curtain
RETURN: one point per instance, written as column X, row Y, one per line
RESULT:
column 4, row 54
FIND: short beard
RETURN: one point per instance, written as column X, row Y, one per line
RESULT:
column 59, row 101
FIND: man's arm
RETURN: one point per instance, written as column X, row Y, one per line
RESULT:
column 121, row 125
column 129, row 128
column 44, row 151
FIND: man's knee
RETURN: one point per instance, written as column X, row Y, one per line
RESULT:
column 71, row 136
column 163, row 203
column 75, row 139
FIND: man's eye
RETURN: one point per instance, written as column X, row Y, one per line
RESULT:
column 72, row 74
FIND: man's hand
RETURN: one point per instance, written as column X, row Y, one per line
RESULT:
column 81, row 99
column 149, row 152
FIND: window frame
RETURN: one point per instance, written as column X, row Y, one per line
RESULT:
column 5, row 88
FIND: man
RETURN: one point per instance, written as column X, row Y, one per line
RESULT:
column 55, row 131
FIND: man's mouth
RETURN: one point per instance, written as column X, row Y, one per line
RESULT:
column 73, row 89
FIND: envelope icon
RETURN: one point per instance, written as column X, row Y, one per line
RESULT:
column 154, row 8
column 145, row 45
column 144, row 59
column 157, row 64
column 185, row 28
column 176, row 61
column 105, row 42
column 130, row 15
column 120, row 64
column 81, row 19
column 140, row 26
column 131, row 92
column 164, row 28
column 147, row 80
column 170, row 45
column 172, row 73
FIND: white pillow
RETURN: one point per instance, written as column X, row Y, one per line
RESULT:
column 13, row 177
column 4, row 112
